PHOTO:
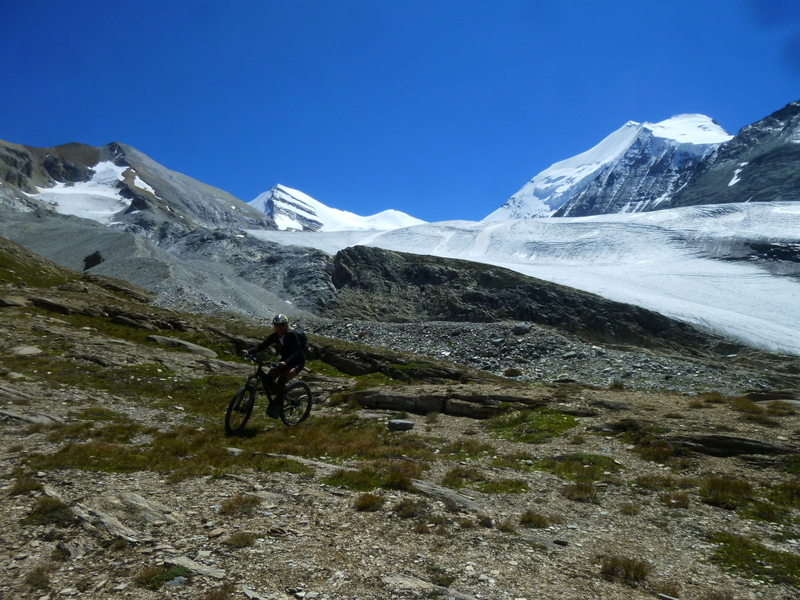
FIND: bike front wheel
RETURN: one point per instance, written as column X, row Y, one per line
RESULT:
column 296, row 403
column 240, row 409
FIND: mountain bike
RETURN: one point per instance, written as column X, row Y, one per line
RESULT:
column 294, row 409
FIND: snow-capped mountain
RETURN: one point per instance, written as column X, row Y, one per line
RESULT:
column 294, row 210
column 630, row 170
column 760, row 164
column 119, row 186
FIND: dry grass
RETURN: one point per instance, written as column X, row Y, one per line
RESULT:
column 582, row 491
column 240, row 504
column 629, row 570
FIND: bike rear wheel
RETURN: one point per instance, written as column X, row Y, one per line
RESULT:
column 296, row 403
column 240, row 409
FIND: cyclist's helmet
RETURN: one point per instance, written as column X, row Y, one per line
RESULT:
column 280, row 320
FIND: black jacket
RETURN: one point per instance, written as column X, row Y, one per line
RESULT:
column 290, row 350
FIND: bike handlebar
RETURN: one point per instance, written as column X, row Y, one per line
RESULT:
column 254, row 359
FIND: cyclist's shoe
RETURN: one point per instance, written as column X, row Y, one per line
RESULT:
column 274, row 410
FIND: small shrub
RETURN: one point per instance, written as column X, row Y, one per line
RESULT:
column 38, row 578
column 507, row 527
column 669, row 588
column 410, row 509
column 630, row 509
column 421, row 527
column 49, row 511
column 466, row 523
column 457, row 477
column 369, row 502
column 440, row 577
column 485, row 521
column 25, row 485
column 240, row 539
column 629, row 570
column 579, row 466
column 240, row 504
column 582, row 491
column 283, row 465
column 617, row 386
column 539, row 520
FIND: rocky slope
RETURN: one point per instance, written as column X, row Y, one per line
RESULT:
column 760, row 164
column 119, row 481
column 155, row 201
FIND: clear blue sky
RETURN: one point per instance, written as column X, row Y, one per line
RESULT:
column 441, row 109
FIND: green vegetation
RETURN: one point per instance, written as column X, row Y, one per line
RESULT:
column 745, row 556
column 50, row 511
column 240, row 504
column 369, row 502
column 154, row 577
column 386, row 474
column 462, row 448
column 583, row 491
column 629, row 570
column 579, row 467
column 532, row 426
column 539, row 520
column 240, row 539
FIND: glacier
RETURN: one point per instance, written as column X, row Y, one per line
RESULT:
column 660, row 260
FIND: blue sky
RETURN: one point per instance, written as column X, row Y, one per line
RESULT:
column 441, row 109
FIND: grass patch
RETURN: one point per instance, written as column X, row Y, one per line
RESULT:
column 725, row 492
column 25, row 485
column 630, row 509
column 49, row 511
column 538, row 520
column 532, row 426
column 579, row 466
column 369, row 502
column 582, row 491
column 756, row 413
column 38, row 578
column 410, row 509
column 629, row 570
column 439, row 576
column 284, row 465
column 154, row 577
column 240, row 504
column 240, row 539
column 465, row 448
column 386, row 474
column 649, row 446
column 744, row 556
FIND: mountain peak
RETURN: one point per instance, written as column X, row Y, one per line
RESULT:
column 551, row 189
column 293, row 210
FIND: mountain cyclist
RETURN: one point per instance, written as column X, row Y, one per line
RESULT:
column 293, row 359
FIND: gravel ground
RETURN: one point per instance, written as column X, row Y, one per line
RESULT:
column 532, row 353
